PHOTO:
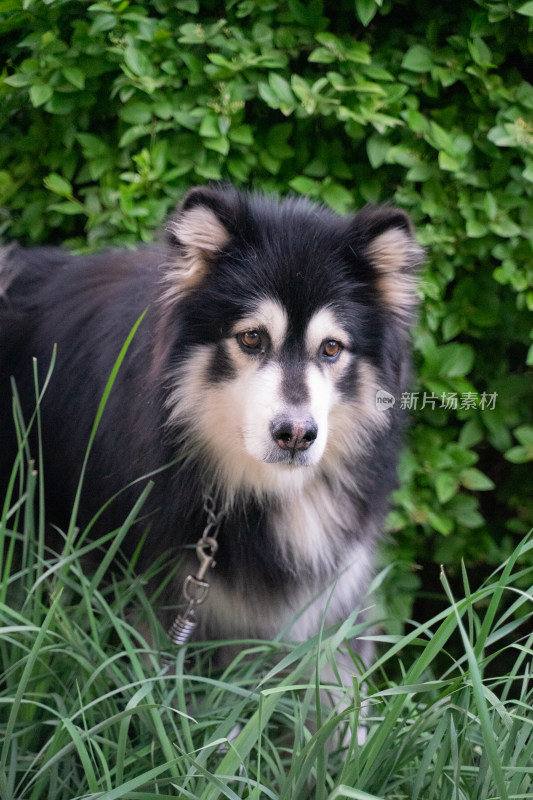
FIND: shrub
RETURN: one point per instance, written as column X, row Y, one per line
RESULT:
column 111, row 110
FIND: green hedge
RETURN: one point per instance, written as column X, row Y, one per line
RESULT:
column 111, row 110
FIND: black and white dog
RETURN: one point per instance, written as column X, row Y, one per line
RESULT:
column 273, row 331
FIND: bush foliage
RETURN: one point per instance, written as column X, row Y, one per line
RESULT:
column 111, row 110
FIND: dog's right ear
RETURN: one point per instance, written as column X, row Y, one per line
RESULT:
column 200, row 228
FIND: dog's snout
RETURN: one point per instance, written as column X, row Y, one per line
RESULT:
column 294, row 435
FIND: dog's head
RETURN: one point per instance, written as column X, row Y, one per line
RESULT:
column 282, row 323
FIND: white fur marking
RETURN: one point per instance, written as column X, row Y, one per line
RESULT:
column 309, row 527
column 324, row 326
column 268, row 315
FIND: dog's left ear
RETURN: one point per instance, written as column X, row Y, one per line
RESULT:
column 198, row 231
column 385, row 236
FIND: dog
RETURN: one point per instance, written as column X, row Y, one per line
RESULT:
column 272, row 329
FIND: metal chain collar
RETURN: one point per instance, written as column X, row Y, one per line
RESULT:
column 196, row 587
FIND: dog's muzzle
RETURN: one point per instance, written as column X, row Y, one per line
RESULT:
column 294, row 435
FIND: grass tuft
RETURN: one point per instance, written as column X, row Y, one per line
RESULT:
column 89, row 710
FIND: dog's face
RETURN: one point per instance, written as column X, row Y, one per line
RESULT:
column 284, row 386
column 285, row 330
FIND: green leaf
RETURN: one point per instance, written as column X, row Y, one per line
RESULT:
column 94, row 147
column 366, row 10
column 103, row 23
column 451, row 326
column 136, row 113
column 445, row 486
column 242, row 134
column 304, row 185
column 238, row 169
column 191, row 6
column 527, row 174
column 281, row 88
column 40, row 94
column 471, row 433
column 476, row 230
column 322, row 56
column 441, row 523
column 219, row 145
column 524, row 434
column 519, row 455
column 448, row 163
column 336, row 196
column 61, row 104
column 209, row 127
column 277, row 140
column 526, row 9
column 502, row 136
column 269, row 162
column 454, row 360
column 18, row 80
column 267, row 94
column 418, row 59
column 138, row 62
column 210, row 171
column 491, row 206
column 377, row 148
column 75, row 76
column 480, row 52
column 132, row 134
column 416, row 121
column 441, row 138
column 308, row 95
column 475, row 480
column 192, row 33
column 464, row 509
column 69, row 208
column 57, row 184
column 357, row 52
column 505, row 227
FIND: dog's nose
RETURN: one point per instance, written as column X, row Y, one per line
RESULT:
column 295, row 435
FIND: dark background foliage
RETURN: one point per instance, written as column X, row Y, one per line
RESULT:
column 110, row 111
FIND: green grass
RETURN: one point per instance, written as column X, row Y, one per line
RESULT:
column 88, row 709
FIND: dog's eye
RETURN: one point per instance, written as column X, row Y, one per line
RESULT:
column 331, row 348
column 251, row 340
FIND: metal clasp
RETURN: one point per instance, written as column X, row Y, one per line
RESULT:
column 206, row 559
column 195, row 587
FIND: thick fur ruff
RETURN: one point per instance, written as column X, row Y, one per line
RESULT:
column 270, row 328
